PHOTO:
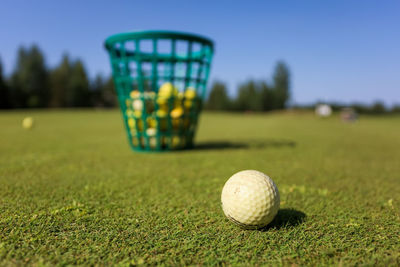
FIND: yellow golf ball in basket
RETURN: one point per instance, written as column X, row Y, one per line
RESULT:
column 168, row 90
column 177, row 112
column 131, row 123
column 151, row 122
column 134, row 94
column 190, row 93
column 176, row 141
column 189, row 97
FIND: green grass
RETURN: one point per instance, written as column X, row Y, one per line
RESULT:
column 72, row 192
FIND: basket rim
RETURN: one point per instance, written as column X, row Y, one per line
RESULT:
column 156, row 34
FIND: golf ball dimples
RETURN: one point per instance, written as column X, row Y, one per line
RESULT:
column 250, row 199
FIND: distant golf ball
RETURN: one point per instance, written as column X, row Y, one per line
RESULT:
column 323, row 110
column 27, row 123
column 250, row 199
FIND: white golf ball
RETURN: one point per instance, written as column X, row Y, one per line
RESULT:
column 323, row 110
column 250, row 199
column 137, row 104
column 27, row 123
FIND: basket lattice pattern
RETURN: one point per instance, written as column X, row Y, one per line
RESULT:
column 161, row 79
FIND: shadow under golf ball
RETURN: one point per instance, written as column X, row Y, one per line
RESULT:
column 286, row 218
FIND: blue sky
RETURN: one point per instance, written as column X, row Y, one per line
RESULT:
column 336, row 50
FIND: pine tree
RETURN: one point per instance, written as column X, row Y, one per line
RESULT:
column 281, row 85
column 96, row 88
column 78, row 94
column 4, row 93
column 249, row 97
column 59, row 81
column 103, row 93
column 109, row 96
column 30, row 79
column 17, row 95
column 218, row 98
column 267, row 96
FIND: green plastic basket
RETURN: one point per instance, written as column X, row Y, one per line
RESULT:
column 161, row 79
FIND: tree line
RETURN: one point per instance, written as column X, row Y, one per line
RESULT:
column 263, row 96
column 253, row 95
column 33, row 85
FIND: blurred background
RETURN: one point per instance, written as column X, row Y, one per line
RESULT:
column 269, row 55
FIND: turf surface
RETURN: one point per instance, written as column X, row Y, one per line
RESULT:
column 71, row 192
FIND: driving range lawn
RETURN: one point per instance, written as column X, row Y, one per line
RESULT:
column 72, row 191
